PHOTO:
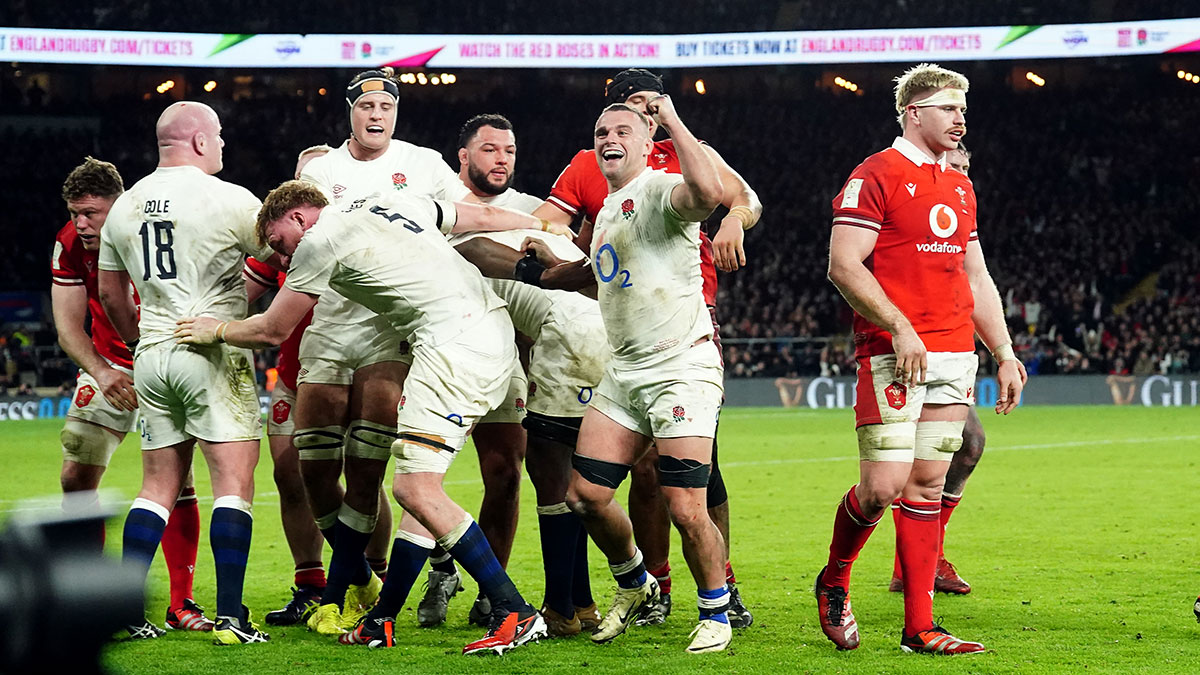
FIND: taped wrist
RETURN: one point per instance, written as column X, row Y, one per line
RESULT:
column 1004, row 353
column 528, row 270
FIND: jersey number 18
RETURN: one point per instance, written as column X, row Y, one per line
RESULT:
column 164, row 253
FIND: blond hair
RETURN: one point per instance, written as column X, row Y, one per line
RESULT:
column 289, row 195
column 924, row 78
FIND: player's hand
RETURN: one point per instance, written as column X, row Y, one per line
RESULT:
column 196, row 330
column 117, row 389
column 728, row 253
column 542, row 251
column 662, row 109
column 1011, row 378
column 911, row 359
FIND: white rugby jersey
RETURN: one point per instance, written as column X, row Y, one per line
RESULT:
column 404, row 169
column 182, row 235
column 647, row 263
column 528, row 305
column 390, row 256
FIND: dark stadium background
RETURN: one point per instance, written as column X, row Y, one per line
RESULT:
column 1088, row 187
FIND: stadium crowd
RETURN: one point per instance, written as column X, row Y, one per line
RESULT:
column 1109, row 288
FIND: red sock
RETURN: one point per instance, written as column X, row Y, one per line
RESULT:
column 948, row 504
column 729, row 577
column 663, row 574
column 310, row 574
column 851, row 529
column 896, row 573
column 181, row 539
column 917, row 542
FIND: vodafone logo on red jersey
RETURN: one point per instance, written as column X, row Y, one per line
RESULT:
column 943, row 221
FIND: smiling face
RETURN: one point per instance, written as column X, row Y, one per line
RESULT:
column 490, row 159
column 372, row 123
column 88, row 214
column 622, row 145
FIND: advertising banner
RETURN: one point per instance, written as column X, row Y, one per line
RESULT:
column 838, row 392
column 242, row 50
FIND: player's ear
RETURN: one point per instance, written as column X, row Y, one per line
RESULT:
column 199, row 142
column 462, row 156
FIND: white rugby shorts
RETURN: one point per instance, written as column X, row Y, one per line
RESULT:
column 196, row 392
column 669, row 399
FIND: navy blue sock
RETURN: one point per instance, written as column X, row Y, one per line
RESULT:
column 713, row 604
column 581, row 584
column 631, row 573
column 142, row 534
column 229, row 533
column 348, row 565
column 407, row 561
column 559, row 529
column 441, row 561
column 476, row 557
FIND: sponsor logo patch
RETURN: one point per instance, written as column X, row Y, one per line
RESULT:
column 850, row 194
column 943, row 220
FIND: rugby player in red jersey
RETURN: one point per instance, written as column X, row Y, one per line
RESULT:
column 579, row 193
column 946, row 579
column 104, row 407
column 905, row 254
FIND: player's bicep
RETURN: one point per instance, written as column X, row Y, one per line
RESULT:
column 849, row 245
column 69, row 305
column 552, row 212
column 974, row 264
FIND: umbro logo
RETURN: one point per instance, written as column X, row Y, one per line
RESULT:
column 912, row 189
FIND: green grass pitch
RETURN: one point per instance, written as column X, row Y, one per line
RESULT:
column 1078, row 533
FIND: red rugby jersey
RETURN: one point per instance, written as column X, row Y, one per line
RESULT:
column 287, row 365
column 925, row 214
column 73, row 265
column 581, row 188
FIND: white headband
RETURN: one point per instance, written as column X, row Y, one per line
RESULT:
column 947, row 96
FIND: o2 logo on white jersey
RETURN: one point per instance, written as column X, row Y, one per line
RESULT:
column 612, row 272
column 943, row 221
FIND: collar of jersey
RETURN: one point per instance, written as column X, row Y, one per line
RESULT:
column 913, row 154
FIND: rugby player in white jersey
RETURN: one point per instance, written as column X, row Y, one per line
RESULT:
column 352, row 362
column 664, row 382
column 299, row 528
column 390, row 256
column 104, row 407
column 487, row 156
column 566, row 362
column 181, row 235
